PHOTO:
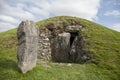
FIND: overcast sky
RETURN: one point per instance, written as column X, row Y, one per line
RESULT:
column 105, row 12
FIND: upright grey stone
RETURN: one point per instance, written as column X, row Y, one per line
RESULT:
column 60, row 47
column 27, row 35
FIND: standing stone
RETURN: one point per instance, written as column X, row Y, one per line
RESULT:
column 60, row 47
column 27, row 35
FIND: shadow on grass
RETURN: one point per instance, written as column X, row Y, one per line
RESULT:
column 8, row 65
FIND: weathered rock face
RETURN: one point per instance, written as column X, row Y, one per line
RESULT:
column 27, row 45
column 60, row 47
column 74, row 28
column 44, row 49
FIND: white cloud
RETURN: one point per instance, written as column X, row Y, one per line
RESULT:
column 116, row 27
column 38, row 11
column 8, row 19
column 112, row 13
column 81, row 8
column 14, row 11
column 18, row 12
column 5, row 26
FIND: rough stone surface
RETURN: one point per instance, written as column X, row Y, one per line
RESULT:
column 44, row 49
column 27, row 45
column 73, row 28
column 60, row 47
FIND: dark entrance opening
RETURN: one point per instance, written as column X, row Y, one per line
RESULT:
column 72, row 54
column 72, row 37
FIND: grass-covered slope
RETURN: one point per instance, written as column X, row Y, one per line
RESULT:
column 103, row 45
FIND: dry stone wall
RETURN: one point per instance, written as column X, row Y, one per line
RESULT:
column 44, row 49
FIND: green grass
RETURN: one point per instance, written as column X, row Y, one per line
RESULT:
column 102, row 43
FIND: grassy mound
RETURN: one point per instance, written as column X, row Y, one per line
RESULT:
column 102, row 43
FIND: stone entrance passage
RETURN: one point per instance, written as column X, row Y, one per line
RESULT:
column 72, row 50
column 73, row 35
column 27, row 45
column 64, row 46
